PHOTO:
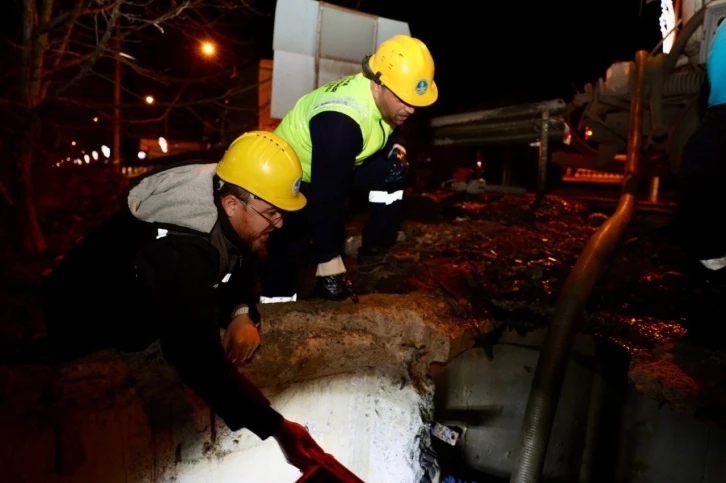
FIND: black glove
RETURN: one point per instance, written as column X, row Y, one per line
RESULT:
column 399, row 165
column 429, row 465
column 336, row 287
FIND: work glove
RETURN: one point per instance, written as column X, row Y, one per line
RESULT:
column 299, row 448
column 399, row 165
column 336, row 287
column 429, row 465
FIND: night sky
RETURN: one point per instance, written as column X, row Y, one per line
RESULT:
column 498, row 52
column 488, row 53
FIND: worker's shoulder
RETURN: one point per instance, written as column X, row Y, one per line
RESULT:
column 184, row 245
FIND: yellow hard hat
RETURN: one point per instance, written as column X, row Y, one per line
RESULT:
column 404, row 65
column 267, row 166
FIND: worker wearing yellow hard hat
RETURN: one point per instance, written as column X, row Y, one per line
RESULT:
column 266, row 166
column 346, row 135
column 404, row 65
column 175, row 265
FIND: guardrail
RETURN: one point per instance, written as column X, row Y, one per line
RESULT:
column 534, row 123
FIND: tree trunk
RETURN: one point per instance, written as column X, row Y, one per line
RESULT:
column 26, row 232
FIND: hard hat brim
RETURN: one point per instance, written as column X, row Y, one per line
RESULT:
column 428, row 98
column 289, row 204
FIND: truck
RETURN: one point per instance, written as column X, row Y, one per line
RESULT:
column 587, row 135
column 597, row 117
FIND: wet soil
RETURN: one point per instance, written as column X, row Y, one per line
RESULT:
column 502, row 261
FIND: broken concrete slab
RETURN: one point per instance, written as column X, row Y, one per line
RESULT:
column 401, row 334
column 356, row 375
column 374, row 424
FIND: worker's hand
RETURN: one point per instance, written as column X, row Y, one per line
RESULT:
column 299, row 448
column 336, row 287
column 397, row 151
column 241, row 339
column 398, row 165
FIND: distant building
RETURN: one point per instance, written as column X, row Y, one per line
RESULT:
column 264, row 96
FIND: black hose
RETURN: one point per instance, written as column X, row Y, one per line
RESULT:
column 669, row 62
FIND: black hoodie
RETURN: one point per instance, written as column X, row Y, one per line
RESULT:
column 168, row 268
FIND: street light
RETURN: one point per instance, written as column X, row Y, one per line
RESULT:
column 208, row 49
column 149, row 100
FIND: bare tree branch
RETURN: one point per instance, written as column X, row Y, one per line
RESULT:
column 66, row 52
column 28, row 19
column 6, row 194
column 94, row 56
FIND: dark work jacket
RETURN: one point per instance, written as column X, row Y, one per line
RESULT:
column 336, row 141
column 167, row 269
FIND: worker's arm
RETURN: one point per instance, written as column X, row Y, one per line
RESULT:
column 238, row 315
column 239, row 291
column 237, row 295
column 336, row 141
column 179, row 278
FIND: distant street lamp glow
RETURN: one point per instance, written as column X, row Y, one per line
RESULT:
column 149, row 100
column 106, row 150
column 163, row 145
column 142, row 155
column 94, row 155
column 86, row 158
column 95, row 119
column 208, row 49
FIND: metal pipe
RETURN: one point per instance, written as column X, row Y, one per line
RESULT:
column 499, row 127
column 674, row 85
column 556, row 106
column 522, row 138
column 550, row 373
column 507, row 170
column 544, row 142
column 684, row 83
column 679, row 46
column 498, row 137
column 653, row 189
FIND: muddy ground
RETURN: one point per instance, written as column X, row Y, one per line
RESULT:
column 500, row 262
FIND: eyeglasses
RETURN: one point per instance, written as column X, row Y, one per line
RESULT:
column 272, row 221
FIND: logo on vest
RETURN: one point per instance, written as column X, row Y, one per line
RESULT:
column 296, row 186
column 422, row 87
